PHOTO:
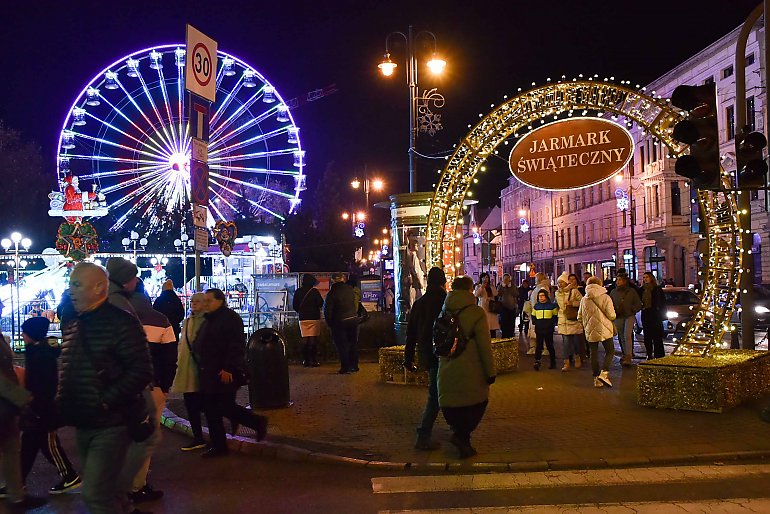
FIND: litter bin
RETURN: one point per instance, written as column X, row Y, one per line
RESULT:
column 269, row 370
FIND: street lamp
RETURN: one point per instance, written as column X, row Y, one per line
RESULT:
column 436, row 65
column 184, row 243
column 12, row 246
column 525, row 224
column 375, row 184
column 625, row 201
column 134, row 243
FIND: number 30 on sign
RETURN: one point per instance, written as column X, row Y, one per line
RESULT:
column 201, row 64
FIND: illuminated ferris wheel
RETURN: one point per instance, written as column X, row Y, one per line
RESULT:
column 126, row 143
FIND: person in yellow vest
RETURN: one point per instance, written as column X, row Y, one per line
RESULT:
column 544, row 316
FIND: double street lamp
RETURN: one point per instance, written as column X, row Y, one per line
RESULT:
column 185, row 244
column 436, row 65
column 525, row 224
column 134, row 243
column 626, row 203
column 11, row 245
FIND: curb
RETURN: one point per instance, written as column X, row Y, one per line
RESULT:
column 249, row 446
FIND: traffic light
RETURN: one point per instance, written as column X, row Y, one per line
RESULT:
column 701, row 131
column 752, row 167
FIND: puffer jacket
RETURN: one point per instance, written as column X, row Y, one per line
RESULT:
column 463, row 380
column 169, row 304
column 96, row 385
column 596, row 313
column 568, row 327
column 340, row 306
column 221, row 345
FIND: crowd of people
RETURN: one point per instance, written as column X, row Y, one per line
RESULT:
column 120, row 356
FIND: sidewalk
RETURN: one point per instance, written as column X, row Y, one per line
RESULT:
column 535, row 421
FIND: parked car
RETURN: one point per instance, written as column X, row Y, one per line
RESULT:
column 761, row 308
column 679, row 301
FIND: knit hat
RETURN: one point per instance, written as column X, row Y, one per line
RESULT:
column 121, row 270
column 36, row 328
column 564, row 277
column 436, row 277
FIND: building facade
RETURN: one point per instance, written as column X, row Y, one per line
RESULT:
column 644, row 218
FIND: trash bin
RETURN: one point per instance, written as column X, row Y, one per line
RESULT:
column 269, row 370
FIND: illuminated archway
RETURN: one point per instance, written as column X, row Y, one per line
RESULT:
column 656, row 116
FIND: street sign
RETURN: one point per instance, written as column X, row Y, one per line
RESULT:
column 200, row 150
column 200, row 215
column 201, row 239
column 199, row 110
column 199, row 182
column 201, row 64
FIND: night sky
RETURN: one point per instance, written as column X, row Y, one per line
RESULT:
column 51, row 49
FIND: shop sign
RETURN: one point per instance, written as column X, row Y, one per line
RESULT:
column 571, row 154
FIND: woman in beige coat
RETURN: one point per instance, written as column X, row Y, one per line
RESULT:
column 486, row 292
column 186, row 380
column 570, row 329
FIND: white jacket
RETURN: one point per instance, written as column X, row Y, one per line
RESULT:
column 596, row 313
column 566, row 326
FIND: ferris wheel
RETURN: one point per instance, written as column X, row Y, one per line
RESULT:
column 126, row 143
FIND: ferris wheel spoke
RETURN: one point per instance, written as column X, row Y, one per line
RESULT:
column 254, row 171
column 226, row 102
column 141, row 112
column 240, row 110
column 256, row 139
column 252, row 155
column 250, row 185
column 158, row 146
column 251, row 202
column 220, row 140
column 130, row 136
column 167, row 105
column 106, row 158
column 169, row 139
column 117, row 173
column 150, row 178
column 116, row 145
column 183, row 127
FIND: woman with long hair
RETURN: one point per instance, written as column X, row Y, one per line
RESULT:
column 653, row 310
column 307, row 303
column 486, row 293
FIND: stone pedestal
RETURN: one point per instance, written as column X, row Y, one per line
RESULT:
column 715, row 383
column 505, row 352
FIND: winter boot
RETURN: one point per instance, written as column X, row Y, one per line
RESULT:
column 578, row 362
column 604, row 377
column 537, row 365
column 566, row 366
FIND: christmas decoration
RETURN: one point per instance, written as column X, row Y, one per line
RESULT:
column 225, row 233
column 77, row 240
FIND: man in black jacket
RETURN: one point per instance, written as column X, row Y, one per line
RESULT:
column 419, row 335
column 341, row 314
column 220, row 346
column 104, row 366
column 169, row 304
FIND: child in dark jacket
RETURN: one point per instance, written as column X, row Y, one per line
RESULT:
column 39, row 425
column 544, row 317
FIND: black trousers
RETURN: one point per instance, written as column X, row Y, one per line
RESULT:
column 163, row 364
column 464, row 420
column 652, row 325
column 345, row 337
column 47, row 442
column 507, row 322
column 222, row 405
column 546, row 338
column 193, row 402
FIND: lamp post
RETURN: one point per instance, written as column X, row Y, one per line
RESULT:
column 375, row 184
column 12, row 246
column 436, row 65
column 134, row 243
column 184, row 243
column 626, row 202
column 526, row 226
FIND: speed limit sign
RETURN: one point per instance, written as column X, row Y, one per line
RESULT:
column 201, row 64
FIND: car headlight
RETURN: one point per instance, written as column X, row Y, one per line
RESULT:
column 672, row 314
column 761, row 309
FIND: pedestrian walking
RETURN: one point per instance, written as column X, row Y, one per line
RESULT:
column 486, row 293
column 419, row 337
column 123, row 277
column 523, row 297
column 186, row 380
column 508, row 302
column 308, row 303
column 39, row 422
column 544, row 317
column 341, row 314
column 105, row 366
column 569, row 327
column 220, row 347
column 464, row 380
column 361, row 316
column 169, row 304
column 542, row 283
column 627, row 303
column 653, row 313
column 596, row 313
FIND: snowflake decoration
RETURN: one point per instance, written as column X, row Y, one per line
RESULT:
column 430, row 122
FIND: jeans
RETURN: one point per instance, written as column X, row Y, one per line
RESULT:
column 625, row 328
column 464, row 420
column 11, row 463
column 570, row 346
column 344, row 337
column 609, row 354
column 102, row 454
column 548, row 339
column 430, row 413
column 193, row 403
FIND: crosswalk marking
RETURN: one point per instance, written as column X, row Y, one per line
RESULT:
column 727, row 506
column 594, row 477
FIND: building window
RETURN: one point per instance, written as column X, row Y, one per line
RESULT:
column 656, row 201
column 569, row 238
column 584, row 198
column 750, row 59
column 556, row 237
column 750, row 114
column 641, row 158
column 727, row 72
column 730, row 115
column 625, row 222
column 676, row 199
column 577, row 243
column 585, row 231
column 601, row 197
column 561, row 206
column 631, row 166
column 709, row 80
column 562, row 239
column 654, row 151
column 593, row 238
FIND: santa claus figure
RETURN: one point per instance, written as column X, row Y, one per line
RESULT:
column 73, row 197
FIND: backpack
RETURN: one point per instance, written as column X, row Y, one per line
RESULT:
column 448, row 338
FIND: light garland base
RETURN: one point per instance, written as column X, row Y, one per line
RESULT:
column 713, row 383
column 505, row 352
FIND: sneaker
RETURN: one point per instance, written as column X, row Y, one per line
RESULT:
column 604, row 376
column 195, row 445
column 69, row 483
column 566, row 366
column 598, row 383
column 146, row 494
column 625, row 360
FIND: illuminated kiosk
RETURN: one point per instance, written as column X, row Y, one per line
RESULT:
column 699, row 375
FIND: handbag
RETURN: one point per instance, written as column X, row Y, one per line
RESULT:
column 495, row 306
column 363, row 314
column 570, row 311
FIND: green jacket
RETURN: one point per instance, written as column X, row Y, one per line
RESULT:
column 462, row 380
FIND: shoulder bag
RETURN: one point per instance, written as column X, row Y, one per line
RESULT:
column 570, row 311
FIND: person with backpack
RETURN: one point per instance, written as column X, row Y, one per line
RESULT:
column 596, row 313
column 544, row 316
column 419, row 337
column 464, row 378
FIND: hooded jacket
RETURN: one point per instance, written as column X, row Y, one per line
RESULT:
column 419, row 329
column 119, row 297
column 626, row 301
column 462, row 380
column 596, row 313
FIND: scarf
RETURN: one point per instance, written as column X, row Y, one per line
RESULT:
column 194, row 323
column 647, row 296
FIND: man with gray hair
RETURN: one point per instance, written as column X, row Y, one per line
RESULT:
column 105, row 365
